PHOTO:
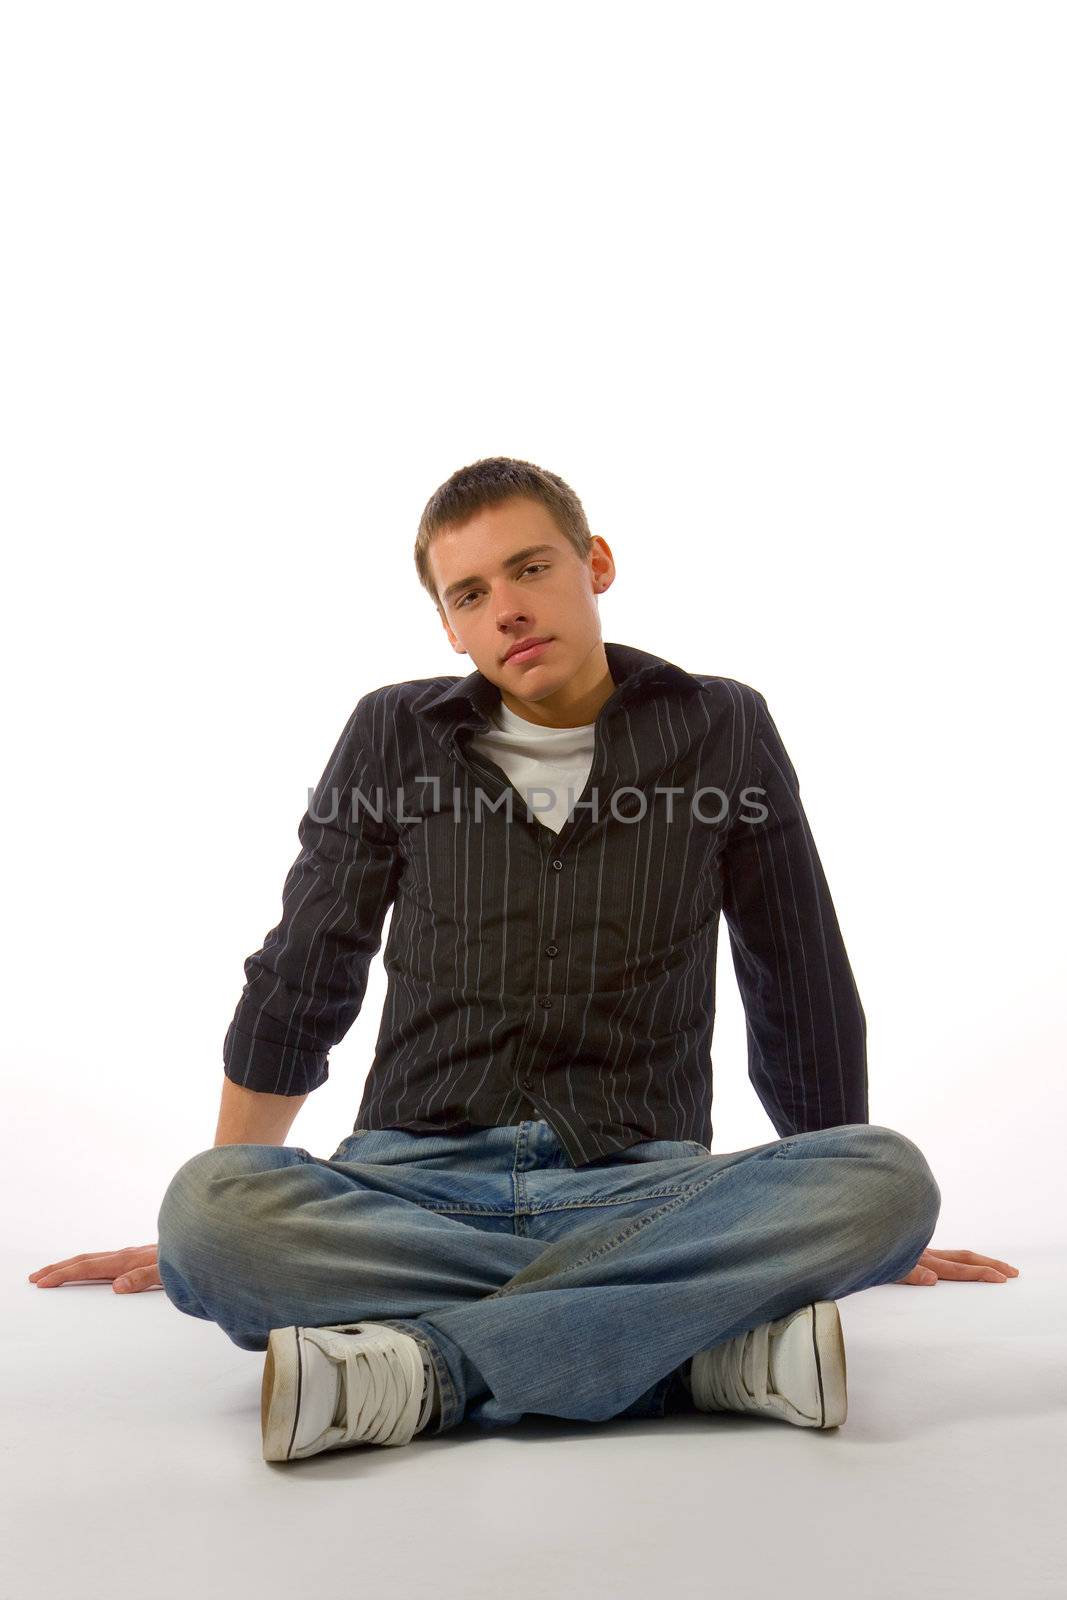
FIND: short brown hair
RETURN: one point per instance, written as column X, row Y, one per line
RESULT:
column 488, row 483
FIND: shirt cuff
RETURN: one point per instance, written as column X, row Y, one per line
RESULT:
column 269, row 1067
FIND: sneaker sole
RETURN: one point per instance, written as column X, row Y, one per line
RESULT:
column 279, row 1406
column 829, row 1346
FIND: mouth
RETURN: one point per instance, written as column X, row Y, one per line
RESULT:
column 529, row 653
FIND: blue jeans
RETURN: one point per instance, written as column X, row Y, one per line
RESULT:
column 536, row 1286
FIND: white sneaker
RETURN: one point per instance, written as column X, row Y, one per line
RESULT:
column 793, row 1369
column 351, row 1383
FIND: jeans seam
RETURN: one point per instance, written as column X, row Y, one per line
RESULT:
column 540, row 1211
column 621, row 1238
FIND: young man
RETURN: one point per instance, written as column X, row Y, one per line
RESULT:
column 527, row 1216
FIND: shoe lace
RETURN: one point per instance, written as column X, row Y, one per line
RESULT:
column 380, row 1404
column 725, row 1376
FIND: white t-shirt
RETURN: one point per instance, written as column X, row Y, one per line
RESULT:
column 548, row 766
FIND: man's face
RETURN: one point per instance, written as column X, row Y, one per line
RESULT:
column 516, row 592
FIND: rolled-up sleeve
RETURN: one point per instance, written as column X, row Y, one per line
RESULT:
column 806, row 1029
column 306, row 985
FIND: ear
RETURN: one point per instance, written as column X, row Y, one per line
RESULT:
column 601, row 565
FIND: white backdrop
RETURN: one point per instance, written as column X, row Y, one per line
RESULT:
column 777, row 289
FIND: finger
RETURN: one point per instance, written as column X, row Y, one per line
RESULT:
column 86, row 1269
column 77, row 1261
column 962, row 1270
column 92, row 1266
column 54, row 1266
column 974, row 1259
column 137, row 1280
column 919, row 1275
column 54, row 1280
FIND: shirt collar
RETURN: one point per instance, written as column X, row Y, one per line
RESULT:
column 630, row 668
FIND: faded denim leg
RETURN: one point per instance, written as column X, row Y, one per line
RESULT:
column 255, row 1237
column 597, row 1320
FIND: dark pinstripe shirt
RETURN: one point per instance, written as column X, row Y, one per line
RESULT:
column 570, row 975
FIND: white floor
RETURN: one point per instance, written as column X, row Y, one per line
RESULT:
column 132, row 1466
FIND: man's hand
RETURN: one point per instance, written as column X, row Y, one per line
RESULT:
column 934, row 1264
column 128, row 1271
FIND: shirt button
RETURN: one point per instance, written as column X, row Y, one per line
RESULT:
column 546, row 1001
column 558, row 865
column 551, row 949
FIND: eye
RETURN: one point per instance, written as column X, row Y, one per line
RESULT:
column 471, row 593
